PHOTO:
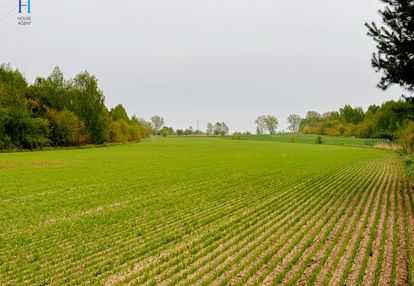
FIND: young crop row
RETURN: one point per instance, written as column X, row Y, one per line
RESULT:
column 330, row 228
column 61, row 265
column 254, row 227
column 242, row 220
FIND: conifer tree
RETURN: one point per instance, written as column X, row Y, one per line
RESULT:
column 395, row 44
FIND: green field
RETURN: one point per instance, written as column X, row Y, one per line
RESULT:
column 311, row 139
column 206, row 211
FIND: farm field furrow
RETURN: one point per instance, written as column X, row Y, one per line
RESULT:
column 204, row 211
column 254, row 226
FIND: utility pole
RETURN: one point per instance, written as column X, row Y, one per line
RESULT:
column 197, row 129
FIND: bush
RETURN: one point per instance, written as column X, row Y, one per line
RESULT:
column 66, row 129
column 124, row 130
column 409, row 160
column 406, row 138
column 20, row 130
column 115, row 132
column 5, row 143
column 134, row 132
column 318, row 140
column 332, row 132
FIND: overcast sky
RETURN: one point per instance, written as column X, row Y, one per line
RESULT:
column 206, row 60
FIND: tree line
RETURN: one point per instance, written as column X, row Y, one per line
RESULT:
column 394, row 58
column 393, row 120
column 158, row 127
column 387, row 121
column 54, row 111
column 269, row 124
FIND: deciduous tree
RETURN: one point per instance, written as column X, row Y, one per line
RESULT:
column 267, row 123
column 157, row 123
column 294, row 122
column 119, row 113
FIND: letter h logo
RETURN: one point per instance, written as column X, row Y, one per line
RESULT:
column 24, row 5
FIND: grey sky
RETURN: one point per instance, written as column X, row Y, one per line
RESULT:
column 209, row 60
